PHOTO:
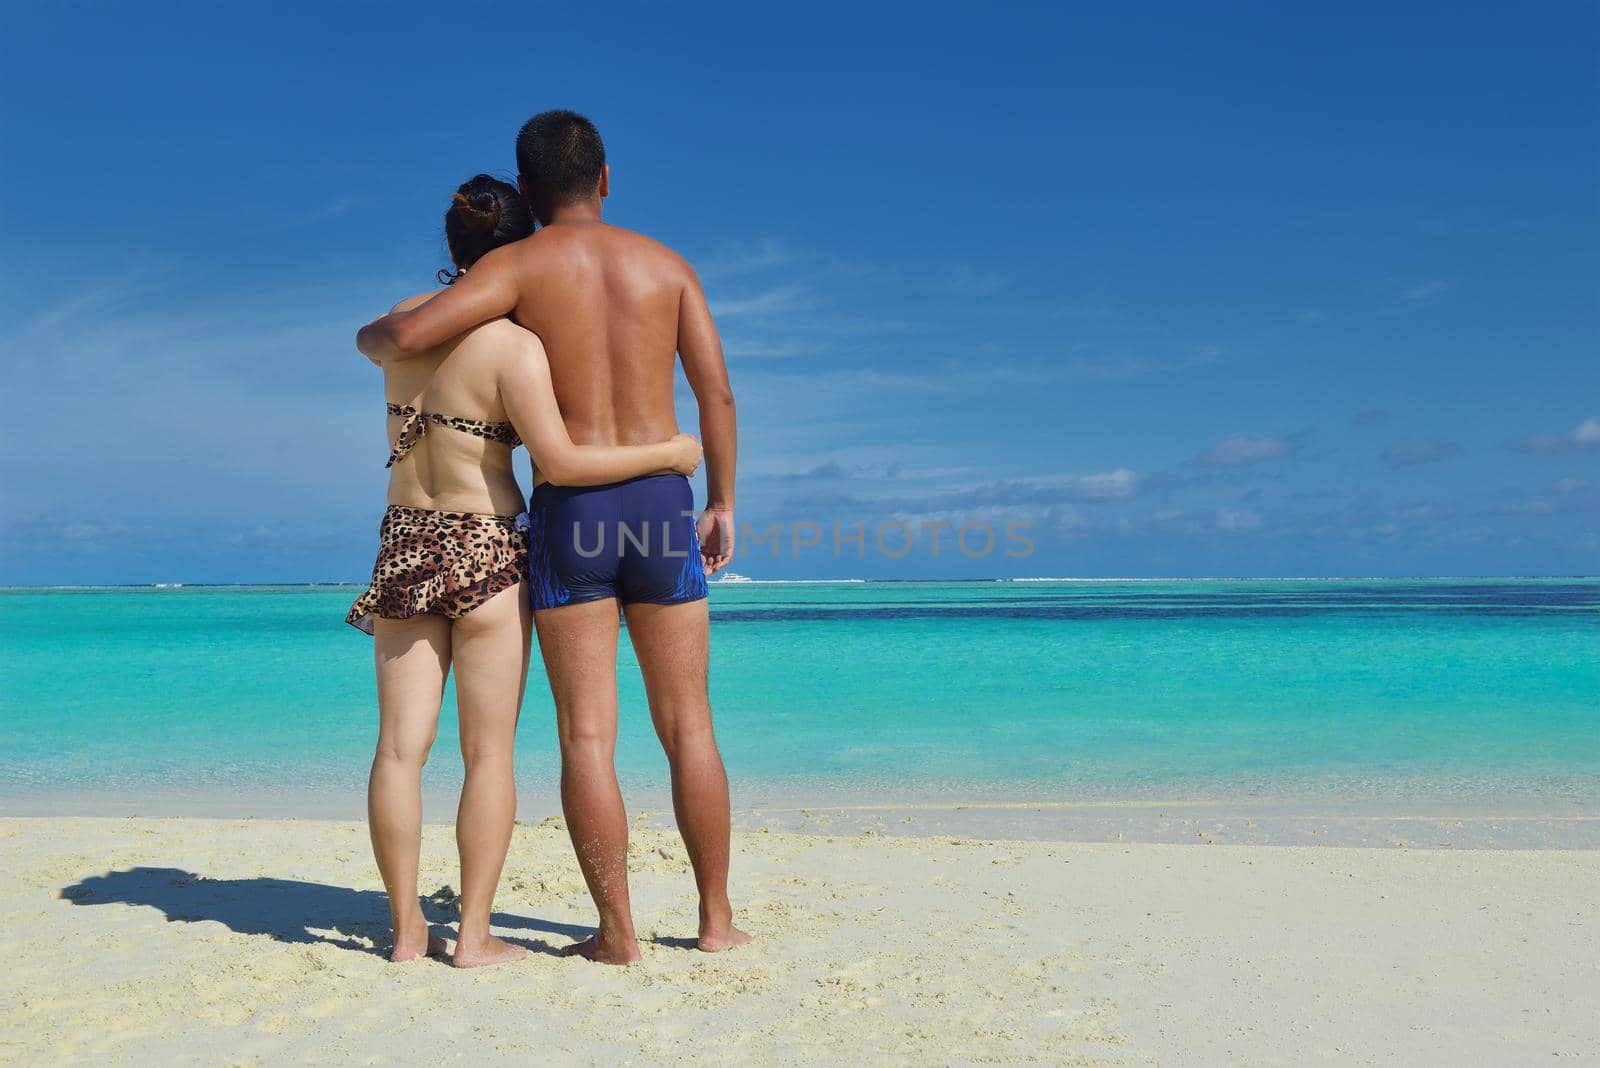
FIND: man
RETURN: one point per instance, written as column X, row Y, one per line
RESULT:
column 614, row 310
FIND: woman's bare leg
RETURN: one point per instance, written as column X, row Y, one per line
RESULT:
column 490, row 650
column 413, row 658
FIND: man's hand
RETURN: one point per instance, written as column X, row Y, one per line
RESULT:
column 376, row 339
column 716, row 532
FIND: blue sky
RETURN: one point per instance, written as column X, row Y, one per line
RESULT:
column 1240, row 290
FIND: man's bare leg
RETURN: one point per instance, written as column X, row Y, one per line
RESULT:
column 579, row 644
column 412, row 657
column 490, row 650
column 673, row 643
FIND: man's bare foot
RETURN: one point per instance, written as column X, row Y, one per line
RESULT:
column 718, row 937
column 410, row 948
column 717, row 931
column 603, row 949
column 482, row 954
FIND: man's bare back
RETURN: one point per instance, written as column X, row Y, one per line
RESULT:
column 606, row 302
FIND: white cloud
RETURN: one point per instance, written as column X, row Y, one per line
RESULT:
column 1237, row 450
column 1415, row 451
column 739, row 348
column 752, row 259
column 1586, row 435
column 778, row 300
column 1237, row 519
column 1116, row 485
column 1428, row 290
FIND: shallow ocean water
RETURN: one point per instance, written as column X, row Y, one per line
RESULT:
column 1443, row 690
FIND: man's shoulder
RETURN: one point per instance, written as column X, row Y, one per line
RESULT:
column 622, row 233
column 643, row 245
column 551, row 246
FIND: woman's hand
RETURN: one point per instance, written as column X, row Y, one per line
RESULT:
column 686, row 453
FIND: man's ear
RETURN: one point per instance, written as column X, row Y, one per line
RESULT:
column 522, row 187
column 605, row 181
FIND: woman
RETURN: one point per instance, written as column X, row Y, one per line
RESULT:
column 446, row 590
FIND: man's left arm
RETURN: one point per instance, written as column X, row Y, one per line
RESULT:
column 707, row 372
column 488, row 291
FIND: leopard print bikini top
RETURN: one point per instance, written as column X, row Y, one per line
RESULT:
column 416, row 425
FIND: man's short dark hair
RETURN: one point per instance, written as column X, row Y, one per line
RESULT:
column 560, row 156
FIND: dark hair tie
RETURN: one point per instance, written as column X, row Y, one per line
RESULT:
column 445, row 277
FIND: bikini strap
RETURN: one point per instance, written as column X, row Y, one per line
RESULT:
column 416, row 425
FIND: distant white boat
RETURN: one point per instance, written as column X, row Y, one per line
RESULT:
column 729, row 577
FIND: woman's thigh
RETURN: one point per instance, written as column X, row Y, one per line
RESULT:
column 412, row 658
column 490, row 650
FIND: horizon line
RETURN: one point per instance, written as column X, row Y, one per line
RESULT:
column 838, row 581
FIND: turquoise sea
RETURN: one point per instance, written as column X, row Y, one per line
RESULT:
column 231, row 699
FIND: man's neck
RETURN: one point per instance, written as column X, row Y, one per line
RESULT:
column 577, row 211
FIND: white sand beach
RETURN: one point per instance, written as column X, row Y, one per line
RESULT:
column 254, row 941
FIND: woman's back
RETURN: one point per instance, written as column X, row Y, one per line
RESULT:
column 447, row 419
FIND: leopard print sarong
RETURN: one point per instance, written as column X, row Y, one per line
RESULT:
column 444, row 563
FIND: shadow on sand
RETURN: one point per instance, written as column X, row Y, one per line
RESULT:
column 287, row 909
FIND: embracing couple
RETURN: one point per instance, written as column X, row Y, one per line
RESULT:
column 562, row 337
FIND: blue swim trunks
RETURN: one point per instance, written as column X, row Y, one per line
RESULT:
column 632, row 540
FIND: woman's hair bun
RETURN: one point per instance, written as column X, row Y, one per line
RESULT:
column 479, row 211
column 484, row 214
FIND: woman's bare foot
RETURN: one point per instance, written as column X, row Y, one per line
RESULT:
column 490, row 951
column 412, row 939
column 412, row 947
column 603, row 949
